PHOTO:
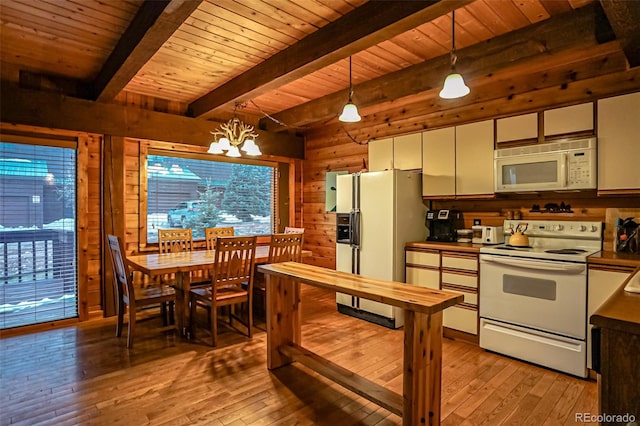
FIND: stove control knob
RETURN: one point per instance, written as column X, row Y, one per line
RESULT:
column 560, row 227
column 582, row 228
column 594, row 228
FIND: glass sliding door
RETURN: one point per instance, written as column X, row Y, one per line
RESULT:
column 38, row 256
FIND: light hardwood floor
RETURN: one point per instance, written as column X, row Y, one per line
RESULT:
column 84, row 375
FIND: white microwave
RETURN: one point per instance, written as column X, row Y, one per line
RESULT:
column 558, row 166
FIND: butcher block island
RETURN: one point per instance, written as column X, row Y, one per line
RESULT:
column 422, row 365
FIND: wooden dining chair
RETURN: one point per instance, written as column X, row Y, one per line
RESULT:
column 233, row 265
column 210, row 235
column 282, row 248
column 136, row 298
column 175, row 240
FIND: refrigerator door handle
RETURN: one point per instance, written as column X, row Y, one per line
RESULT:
column 354, row 232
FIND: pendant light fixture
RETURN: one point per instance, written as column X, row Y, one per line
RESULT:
column 229, row 136
column 454, row 86
column 350, row 111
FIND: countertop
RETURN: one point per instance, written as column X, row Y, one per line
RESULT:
column 620, row 312
column 604, row 257
column 437, row 245
column 611, row 258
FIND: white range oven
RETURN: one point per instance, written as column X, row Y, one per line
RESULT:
column 533, row 300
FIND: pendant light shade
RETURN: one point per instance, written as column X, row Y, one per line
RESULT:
column 454, row 86
column 350, row 110
column 350, row 114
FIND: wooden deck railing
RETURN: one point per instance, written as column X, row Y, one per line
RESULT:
column 34, row 254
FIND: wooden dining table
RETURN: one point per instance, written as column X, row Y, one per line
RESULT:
column 182, row 264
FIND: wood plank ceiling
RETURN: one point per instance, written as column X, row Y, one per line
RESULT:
column 278, row 57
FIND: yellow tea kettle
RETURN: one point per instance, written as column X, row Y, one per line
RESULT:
column 517, row 238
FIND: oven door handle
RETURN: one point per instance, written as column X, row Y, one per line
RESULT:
column 545, row 266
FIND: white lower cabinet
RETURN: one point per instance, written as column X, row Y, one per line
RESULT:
column 451, row 271
column 459, row 273
column 422, row 268
column 602, row 282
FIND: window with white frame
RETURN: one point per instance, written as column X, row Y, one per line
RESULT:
column 199, row 193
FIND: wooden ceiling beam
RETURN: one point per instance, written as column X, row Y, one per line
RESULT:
column 151, row 27
column 624, row 17
column 560, row 33
column 363, row 27
column 55, row 111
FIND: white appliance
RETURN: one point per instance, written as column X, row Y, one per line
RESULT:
column 558, row 166
column 492, row 235
column 386, row 211
column 533, row 300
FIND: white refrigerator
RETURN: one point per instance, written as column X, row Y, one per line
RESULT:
column 386, row 211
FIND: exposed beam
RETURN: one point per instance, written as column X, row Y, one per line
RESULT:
column 366, row 26
column 51, row 110
column 154, row 23
column 566, row 31
column 624, row 17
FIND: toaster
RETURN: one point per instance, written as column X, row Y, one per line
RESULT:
column 492, row 235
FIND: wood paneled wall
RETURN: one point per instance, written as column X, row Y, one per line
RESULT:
column 325, row 153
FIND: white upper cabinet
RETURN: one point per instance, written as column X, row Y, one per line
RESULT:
column 571, row 119
column 407, row 152
column 517, row 128
column 618, row 143
column 439, row 162
column 474, row 158
column 380, row 155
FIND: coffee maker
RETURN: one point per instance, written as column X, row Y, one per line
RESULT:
column 443, row 224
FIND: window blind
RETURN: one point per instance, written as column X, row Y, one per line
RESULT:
column 38, row 271
column 198, row 193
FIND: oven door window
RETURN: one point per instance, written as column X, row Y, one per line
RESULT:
column 529, row 286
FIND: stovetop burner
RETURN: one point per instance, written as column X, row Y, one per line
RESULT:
column 566, row 251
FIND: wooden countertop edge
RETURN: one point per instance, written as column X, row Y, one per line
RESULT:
column 611, row 258
column 435, row 245
column 621, row 311
column 405, row 296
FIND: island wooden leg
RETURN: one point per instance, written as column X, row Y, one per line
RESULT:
column 183, row 286
column 422, row 368
column 283, row 317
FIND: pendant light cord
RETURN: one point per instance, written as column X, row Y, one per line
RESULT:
column 454, row 57
column 350, row 82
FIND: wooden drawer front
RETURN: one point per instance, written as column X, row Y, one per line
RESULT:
column 423, row 258
column 459, row 279
column 469, row 263
column 423, row 277
column 462, row 319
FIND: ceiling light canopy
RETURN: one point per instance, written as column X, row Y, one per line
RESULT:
column 229, row 136
column 350, row 110
column 454, row 86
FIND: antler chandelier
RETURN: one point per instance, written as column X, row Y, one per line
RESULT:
column 230, row 135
